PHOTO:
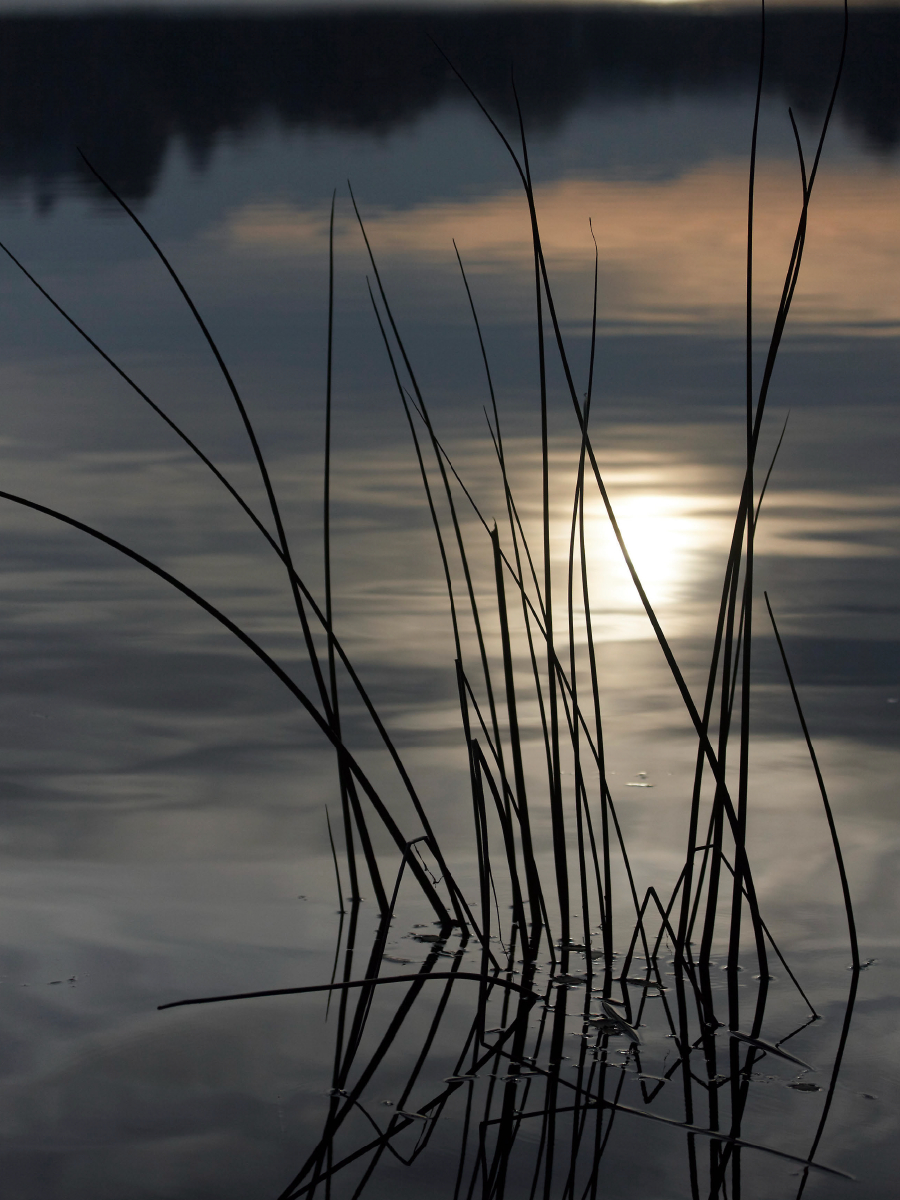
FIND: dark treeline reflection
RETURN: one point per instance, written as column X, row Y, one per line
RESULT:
column 123, row 86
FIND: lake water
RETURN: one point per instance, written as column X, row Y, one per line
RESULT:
column 164, row 828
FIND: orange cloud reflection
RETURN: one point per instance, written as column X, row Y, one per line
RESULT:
column 672, row 252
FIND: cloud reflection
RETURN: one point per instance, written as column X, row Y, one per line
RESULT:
column 672, row 252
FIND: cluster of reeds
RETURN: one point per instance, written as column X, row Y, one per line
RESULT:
column 509, row 1075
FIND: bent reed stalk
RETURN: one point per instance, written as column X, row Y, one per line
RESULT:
column 567, row 910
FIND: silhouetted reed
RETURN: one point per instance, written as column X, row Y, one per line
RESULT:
column 508, row 1075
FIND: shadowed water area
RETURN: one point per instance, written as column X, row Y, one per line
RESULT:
column 164, row 793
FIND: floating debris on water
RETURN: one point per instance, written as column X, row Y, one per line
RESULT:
column 620, row 1022
column 603, row 1025
column 645, row 983
column 805, row 1087
column 769, row 1048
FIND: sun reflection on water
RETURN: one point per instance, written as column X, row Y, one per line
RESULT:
column 674, row 540
column 660, row 534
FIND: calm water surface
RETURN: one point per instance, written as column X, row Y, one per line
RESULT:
column 164, row 799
